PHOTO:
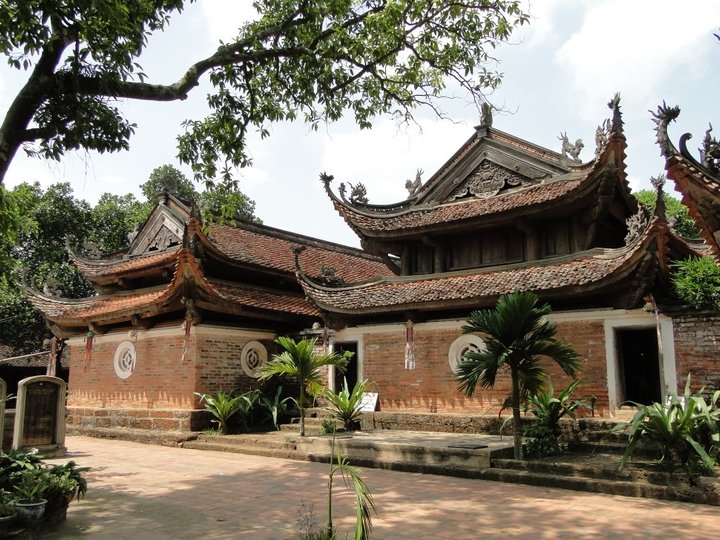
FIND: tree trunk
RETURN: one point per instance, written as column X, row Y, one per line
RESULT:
column 302, row 408
column 517, row 421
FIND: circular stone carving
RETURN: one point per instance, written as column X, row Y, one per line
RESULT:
column 125, row 358
column 460, row 346
column 253, row 358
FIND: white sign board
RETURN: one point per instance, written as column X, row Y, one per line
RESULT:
column 368, row 402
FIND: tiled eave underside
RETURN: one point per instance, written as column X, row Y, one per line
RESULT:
column 222, row 297
column 588, row 274
column 692, row 183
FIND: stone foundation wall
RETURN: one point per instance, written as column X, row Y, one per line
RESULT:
column 151, row 419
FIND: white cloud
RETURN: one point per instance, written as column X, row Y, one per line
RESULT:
column 224, row 17
column 637, row 46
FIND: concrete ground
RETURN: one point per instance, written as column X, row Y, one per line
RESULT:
column 139, row 492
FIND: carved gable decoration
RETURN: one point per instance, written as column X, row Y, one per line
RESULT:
column 161, row 231
column 486, row 180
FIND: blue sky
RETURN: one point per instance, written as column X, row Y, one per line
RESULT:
column 560, row 72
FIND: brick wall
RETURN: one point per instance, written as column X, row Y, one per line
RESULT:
column 432, row 387
column 160, row 392
column 697, row 349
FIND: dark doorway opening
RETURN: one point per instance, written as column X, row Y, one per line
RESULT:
column 639, row 365
column 351, row 372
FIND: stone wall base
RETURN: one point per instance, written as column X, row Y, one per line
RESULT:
column 180, row 420
column 446, row 423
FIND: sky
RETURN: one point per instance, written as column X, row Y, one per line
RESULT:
column 559, row 73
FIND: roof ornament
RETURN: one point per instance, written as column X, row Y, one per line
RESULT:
column 662, row 119
column 414, row 186
column 602, row 135
column 569, row 149
column 358, row 193
column 710, row 152
column 658, row 183
column 91, row 251
column 616, row 125
column 486, row 116
column 328, row 276
column 636, row 225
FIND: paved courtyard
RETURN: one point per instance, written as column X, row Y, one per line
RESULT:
column 141, row 492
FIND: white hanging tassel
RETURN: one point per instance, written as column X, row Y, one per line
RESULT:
column 409, row 351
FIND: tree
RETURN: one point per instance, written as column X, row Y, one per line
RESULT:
column 674, row 209
column 300, row 360
column 307, row 59
column 516, row 337
column 697, row 282
column 114, row 218
column 170, row 179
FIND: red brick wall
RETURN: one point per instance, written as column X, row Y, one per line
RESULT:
column 431, row 386
column 697, row 349
column 160, row 392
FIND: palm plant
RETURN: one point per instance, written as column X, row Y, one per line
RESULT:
column 275, row 405
column 516, row 337
column 346, row 404
column 364, row 503
column 224, row 406
column 300, row 360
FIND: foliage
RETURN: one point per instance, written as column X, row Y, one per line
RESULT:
column 674, row 209
column 226, row 205
column 300, row 360
column 687, row 430
column 517, row 335
column 275, row 406
column 327, row 426
column 346, row 404
column 7, row 503
column 31, row 485
column 171, row 179
column 15, row 461
column 312, row 60
column 697, row 282
column 225, row 406
column 548, row 410
column 70, row 481
column 114, row 218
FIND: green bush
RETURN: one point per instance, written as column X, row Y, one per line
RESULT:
column 697, row 282
column 346, row 404
column 226, row 406
column 275, row 406
column 687, row 430
column 547, row 409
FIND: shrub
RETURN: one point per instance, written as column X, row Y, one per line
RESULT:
column 687, row 430
column 225, row 406
column 346, row 405
column 275, row 406
column 548, row 410
column 697, row 282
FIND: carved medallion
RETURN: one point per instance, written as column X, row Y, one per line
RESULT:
column 462, row 345
column 125, row 359
column 486, row 180
column 253, row 358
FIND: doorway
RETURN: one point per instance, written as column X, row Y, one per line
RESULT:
column 638, row 365
column 351, row 371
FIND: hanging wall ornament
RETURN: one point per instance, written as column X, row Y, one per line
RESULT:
column 88, row 348
column 409, row 347
column 187, row 325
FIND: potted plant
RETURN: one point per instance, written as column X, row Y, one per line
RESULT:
column 66, row 483
column 7, row 512
column 30, row 488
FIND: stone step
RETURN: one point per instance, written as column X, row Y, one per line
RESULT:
column 287, row 452
column 706, row 493
column 644, row 449
column 603, row 466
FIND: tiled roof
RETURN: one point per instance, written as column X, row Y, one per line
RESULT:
column 101, row 268
column 97, row 308
column 270, row 248
column 266, row 299
column 420, row 217
column 587, row 269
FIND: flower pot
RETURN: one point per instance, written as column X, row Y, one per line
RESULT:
column 7, row 524
column 30, row 512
